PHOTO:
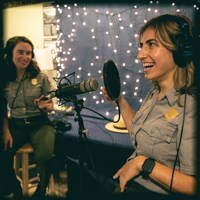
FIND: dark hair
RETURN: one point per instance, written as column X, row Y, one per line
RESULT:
column 168, row 31
column 10, row 68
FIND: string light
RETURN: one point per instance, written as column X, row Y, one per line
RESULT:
column 88, row 36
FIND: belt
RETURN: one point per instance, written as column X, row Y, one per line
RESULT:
column 27, row 120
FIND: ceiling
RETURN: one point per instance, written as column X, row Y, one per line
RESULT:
column 16, row 3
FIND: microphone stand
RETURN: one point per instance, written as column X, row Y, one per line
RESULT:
column 82, row 132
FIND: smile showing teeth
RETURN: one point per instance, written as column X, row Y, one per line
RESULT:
column 147, row 65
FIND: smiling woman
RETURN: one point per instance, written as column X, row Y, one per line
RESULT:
column 28, row 121
column 164, row 157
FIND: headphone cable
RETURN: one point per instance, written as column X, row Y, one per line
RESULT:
column 181, row 134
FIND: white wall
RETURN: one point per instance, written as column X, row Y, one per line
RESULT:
column 26, row 21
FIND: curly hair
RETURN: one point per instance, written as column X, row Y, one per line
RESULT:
column 169, row 31
column 10, row 68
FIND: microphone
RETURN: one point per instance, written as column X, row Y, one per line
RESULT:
column 68, row 91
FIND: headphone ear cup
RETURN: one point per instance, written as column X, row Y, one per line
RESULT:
column 184, row 52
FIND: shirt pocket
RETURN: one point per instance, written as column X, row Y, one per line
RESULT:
column 159, row 141
column 30, row 95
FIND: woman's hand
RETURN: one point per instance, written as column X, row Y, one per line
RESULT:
column 130, row 170
column 44, row 103
column 7, row 139
column 106, row 97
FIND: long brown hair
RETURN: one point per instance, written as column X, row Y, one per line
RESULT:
column 168, row 31
column 10, row 68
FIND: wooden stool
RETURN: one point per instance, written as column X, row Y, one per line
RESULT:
column 22, row 155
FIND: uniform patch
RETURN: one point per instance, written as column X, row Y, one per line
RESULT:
column 171, row 114
column 34, row 81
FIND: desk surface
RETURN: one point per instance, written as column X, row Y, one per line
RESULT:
column 96, row 130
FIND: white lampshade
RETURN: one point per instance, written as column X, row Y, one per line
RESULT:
column 44, row 58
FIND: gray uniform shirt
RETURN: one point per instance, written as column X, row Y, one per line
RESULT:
column 156, row 131
column 20, row 95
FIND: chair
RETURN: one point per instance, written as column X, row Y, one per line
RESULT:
column 22, row 168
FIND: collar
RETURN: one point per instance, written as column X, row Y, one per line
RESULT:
column 171, row 95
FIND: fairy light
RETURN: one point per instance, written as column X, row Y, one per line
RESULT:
column 123, row 93
column 127, row 76
column 136, row 61
column 107, row 113
column 87, row 36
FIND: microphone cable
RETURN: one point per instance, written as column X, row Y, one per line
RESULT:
column 86, row 140
column 108, row 119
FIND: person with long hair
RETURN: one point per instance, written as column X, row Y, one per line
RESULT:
column 27, row 122
column 163, row 130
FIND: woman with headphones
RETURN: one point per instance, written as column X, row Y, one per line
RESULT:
column 163, row 131
column 28, row 120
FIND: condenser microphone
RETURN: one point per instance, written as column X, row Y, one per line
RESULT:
column 68, row 91
column 111, row 79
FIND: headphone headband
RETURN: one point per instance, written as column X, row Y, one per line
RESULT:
column 184, row 53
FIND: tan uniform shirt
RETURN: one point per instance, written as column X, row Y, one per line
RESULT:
column 156, row 131
column 21, row 94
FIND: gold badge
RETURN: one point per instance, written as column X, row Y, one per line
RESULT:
column 171, row 114
column 34, row 81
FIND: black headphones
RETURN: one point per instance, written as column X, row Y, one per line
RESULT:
column 184, row 43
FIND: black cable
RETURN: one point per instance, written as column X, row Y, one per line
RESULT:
column 83, row 132
column 86, row 139
column 17, row 91
column 181, row 135
column 111, row 120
